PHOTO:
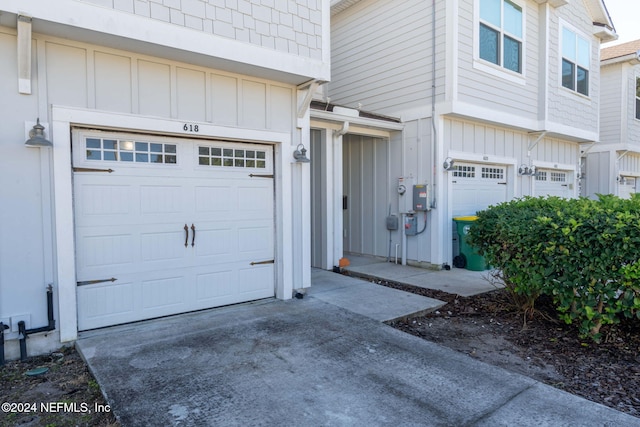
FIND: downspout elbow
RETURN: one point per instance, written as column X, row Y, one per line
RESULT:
column 343, row 130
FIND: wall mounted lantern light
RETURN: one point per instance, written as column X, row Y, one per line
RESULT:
column 448, row 164
column 37, row 138
column 301, row 154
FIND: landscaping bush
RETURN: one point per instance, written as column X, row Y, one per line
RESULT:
column 583, row 253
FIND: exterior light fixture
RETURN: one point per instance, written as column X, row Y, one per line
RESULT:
column 448, row 164
column 301, row 154
column 37, row 138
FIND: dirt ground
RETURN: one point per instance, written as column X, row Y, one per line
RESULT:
column 65, row 395
column 488, row 328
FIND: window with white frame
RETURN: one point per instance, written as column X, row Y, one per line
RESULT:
column 576, row 57
column 638, row 98
column 501, row 33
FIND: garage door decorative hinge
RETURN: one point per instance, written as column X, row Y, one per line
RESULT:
column 253, row 175
column 93, row 282
column 271, row 261
column 92, row 170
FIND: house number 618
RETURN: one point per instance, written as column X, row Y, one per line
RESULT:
column 190, row 128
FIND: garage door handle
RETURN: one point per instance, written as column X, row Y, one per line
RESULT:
column 186, row 235
column 193, row 237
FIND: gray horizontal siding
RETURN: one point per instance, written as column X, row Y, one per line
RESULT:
column 481, row 88
column 565, row 107
column 633, row 124
column 381, row 55
column 611, row 118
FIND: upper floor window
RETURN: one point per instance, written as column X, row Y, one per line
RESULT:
column 501, row 34
column 576, row 57
column 637, row 97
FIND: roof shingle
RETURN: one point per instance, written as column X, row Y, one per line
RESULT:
column 620, row 50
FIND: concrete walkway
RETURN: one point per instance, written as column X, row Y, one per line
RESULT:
column 456, row 281
column 310, row 362
column 368, row 299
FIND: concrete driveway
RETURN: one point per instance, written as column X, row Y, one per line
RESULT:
column 310, row 363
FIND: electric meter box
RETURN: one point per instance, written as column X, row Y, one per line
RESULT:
column 420, row 198
column 405, row 194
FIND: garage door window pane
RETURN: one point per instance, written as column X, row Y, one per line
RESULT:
column 227, row 157
column 126, row 150
column 492, row 173
column 464, row 171
column 94, row 154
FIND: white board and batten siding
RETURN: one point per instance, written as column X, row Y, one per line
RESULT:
column 103, row 88
column 366, row 185
column 484, row 144
column 628, row 174
column 155, row 87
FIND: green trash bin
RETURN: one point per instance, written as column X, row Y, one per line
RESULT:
column 472, row 260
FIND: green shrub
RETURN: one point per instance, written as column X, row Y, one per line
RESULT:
column 583, row 253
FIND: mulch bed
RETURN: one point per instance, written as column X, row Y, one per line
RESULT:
column 488, row 327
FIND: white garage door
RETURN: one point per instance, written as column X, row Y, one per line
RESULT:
column 476, row 187
column 626, row 187
column 178, row 225
column 553, row 183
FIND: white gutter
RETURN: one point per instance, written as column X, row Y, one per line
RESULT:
column 358, row 121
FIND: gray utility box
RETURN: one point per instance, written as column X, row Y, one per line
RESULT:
column 392, row 222
column 420, row 198
column 410, row 225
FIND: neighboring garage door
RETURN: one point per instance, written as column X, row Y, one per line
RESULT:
column 626, row 187
column 477, row 186
column 181, row 225
column 553, row 183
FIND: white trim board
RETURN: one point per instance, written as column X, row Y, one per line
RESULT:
column 62, row 119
